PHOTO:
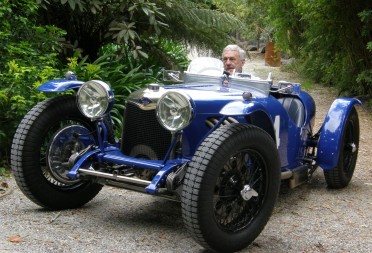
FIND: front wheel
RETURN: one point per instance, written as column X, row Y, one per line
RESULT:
column 45, row 140
column 341, row 175
column 231, row 187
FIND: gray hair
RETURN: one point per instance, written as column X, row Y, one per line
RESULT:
column 235, row 48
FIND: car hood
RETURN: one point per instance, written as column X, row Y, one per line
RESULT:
column 199, row 93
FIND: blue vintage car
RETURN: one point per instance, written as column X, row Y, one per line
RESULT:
column 221, row 145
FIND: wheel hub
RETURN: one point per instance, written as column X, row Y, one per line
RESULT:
column 64, row 148
column 353, row 147
column 248, row 192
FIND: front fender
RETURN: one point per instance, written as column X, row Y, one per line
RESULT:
column 60, row 85
column 331, row 134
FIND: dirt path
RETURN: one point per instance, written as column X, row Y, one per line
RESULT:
column 310, row 218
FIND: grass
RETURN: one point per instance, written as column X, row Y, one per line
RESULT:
column 4, row 172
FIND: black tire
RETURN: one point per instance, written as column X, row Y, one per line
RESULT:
column 213, row 208
column 29, row 158
column 340, row 176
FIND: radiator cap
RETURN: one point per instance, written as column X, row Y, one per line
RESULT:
column 153, row 86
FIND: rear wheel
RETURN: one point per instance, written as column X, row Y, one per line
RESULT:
column 341, row 175
column 44, row 142
column 230, row 187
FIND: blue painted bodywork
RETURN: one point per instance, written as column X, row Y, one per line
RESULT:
column 209, row 103
column 60, row 85
column 262, row 109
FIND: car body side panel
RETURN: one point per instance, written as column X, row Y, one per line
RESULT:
column 330, row 139
column 284, row 132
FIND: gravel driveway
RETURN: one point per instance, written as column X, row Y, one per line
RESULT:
column 310, row 218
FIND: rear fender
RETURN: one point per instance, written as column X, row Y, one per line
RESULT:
column 331, row 133
column 60, row 85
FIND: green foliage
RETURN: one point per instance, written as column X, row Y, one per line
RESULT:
column 18, row 94
column 331, row 38
column 134, row 23
column 168, row 53
column 198, row 25
column 28, row 53
column 364, row 79
column 252, row 13
column 21, row 39
column 4, row 168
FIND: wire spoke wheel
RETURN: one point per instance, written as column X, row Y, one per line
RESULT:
column 243, row 169
column 45, row 140
column 230, row 187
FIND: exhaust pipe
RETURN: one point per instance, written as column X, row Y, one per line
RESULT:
column 286, row 175
column 120, row 178
column 128, row 183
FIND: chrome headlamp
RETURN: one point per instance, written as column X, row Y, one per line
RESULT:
column 95, row 99
column 174, row 110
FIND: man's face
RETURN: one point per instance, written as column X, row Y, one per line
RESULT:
column 231, row 61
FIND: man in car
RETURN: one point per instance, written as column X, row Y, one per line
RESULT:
column 233, row 58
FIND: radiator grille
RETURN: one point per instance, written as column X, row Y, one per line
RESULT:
column 143, row 136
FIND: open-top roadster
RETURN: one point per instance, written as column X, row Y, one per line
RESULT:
column 219, row 144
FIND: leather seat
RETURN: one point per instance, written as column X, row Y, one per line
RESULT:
column 294, row 108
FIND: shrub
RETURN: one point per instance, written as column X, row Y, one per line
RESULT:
column 29, row 55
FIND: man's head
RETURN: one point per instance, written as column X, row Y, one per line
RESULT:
column 233, row 58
